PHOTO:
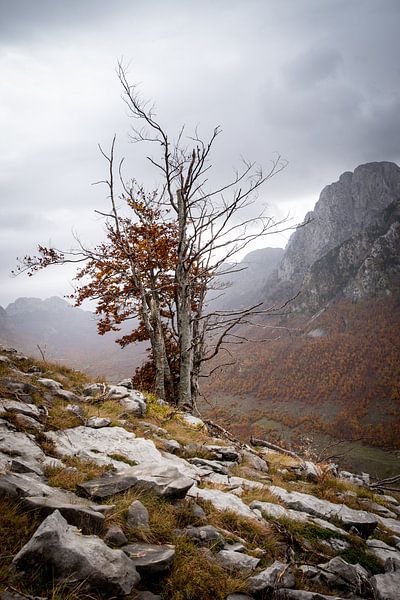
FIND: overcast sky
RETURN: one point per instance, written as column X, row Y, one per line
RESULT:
column 316, row 80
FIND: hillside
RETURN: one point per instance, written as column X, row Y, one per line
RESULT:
column 66, row 334
column 332, row 365
column 106, row 493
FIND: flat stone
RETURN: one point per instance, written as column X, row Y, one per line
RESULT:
column 101, row 446
column 223, row 501
column 278, row 575
column 223, row 452
column 138, row 515
column 161, row 480
column 23, row 408
column 212, row 464
column 88, row 520
column 363, row 521
column 98, row 422
column 232, row 482
column 387, row 586
column 150, row 559
column 391, row 524
column 275, row 511
column 205, row 535
column 382, row 551
column 191, row 420
column 21, row 446
column 80, row 559
column 237, row 561
column 254, row 461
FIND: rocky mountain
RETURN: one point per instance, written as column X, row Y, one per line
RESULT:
column 344, row 228
column 239, row 285
column 65, row 333
column 109, row 493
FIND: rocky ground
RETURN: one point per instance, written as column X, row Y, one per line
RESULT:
column 106, row 493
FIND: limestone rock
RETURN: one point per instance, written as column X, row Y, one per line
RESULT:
column 161, row 480
column 77, row 558
column 115, row 536
column 23, row 408
column 20, row 446
column 255, row 461
column 101, row 447
column 150, row 559
column 98, row 422
column 387, row 586
column 363, row 521
column 337, row 573
column 212, row 464
column 205, row 535
column 223, row 501
column 237, row 562
column 192, row 421
column 278, row 575
column 84, row 517
column 285, row 594
column 138, row 515
column 382, row 551
column 232, row 482
column 225, row 453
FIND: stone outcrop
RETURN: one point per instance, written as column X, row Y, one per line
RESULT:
column 59, row 548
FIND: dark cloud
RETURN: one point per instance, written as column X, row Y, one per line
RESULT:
column 316, row 81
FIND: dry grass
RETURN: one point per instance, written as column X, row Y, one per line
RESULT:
column 60, row 418
column 194, row 576
column 77, row 471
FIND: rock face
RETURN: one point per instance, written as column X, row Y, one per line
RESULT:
column 59, row 548
column 349, row 243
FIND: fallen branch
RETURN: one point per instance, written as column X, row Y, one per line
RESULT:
column 265, row 444
column 383, row 483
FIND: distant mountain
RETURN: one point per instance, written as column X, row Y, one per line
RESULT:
column 241, row 284
column 65, row 333
column 352, row 208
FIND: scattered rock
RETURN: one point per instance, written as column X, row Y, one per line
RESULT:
column 98, row 422
column 364, row 522
column 232, row 482
column 285, row 594
column 138, row 515
column 150, row 559
column 205, row 535
column 88, row 520
column 26, row 422
column 228, row 453
column 382, row 551
column 76, row 410
column 223, row 501
column 212, row 464
column 254, row 461
column 115, row 536
column 337, row 573
column 191, row 420
column 391, row 524
column 387, row 586
column 76, row 558
column 278, row 575
column 161, row 480
column 237, row 562
column 23, row 408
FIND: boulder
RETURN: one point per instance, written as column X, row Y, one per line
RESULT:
column 98, row 422
column 205, row 535
column 387, row 586
column 237, row 561
column 278, row 575
column 23, row 408
column 115, row 536
column 87, row 519
column 337, row 573
column 162, row 480
column 211, row 464
column 254, row 461
column 103, row 446
column 150, row 559
column 275, row 511
column 364, row 522
column 138, row 515
column 232, row 482
column 223, row 501
column 382, row 551
column 228, row 453
column 19, row 446
column 191, row 420
column 71, row 557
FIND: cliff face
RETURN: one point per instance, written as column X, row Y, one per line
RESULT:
column 348, row 235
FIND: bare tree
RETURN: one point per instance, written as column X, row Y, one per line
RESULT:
column 203, row 229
